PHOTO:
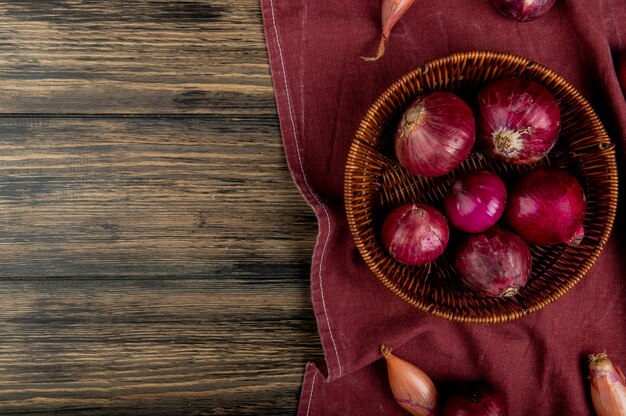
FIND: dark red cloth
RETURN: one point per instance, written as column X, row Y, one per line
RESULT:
column 323, row 89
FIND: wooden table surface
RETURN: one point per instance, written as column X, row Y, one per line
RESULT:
column 155, row 251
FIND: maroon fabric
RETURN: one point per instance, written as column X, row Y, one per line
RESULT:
column 323, row 89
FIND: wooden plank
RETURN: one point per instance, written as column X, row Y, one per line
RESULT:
column 159, row 197
column 179, row 347
column 155, row 252
column 120, row 57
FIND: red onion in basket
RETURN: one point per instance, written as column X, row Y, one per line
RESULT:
column 415, row 234
column 435, row 135
column 475, row 202
column 495, row 263
column 518, row 121
column 523, row 10
column 475, row 399
column 547, row 206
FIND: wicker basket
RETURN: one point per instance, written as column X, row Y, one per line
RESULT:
column 375, row 183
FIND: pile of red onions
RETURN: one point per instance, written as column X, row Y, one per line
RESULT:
column 523, row 10
column 415, row 234
column 518, row 121
column 495, row 263
column 475, row 202
column 435, row 135
column 547, row 206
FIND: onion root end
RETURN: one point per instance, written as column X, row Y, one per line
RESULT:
column 379, row 53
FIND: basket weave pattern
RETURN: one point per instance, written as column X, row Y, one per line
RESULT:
column 375, row 184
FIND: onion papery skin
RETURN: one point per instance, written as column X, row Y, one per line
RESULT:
column 608, row 387
column 476, row 201
column 436, row 133
column 412, row 389
column 518, row 121
column 415, row 234
column 547, row 206
column 494, row 263
column 523, row 10
column 391, row 12
column 475, row 399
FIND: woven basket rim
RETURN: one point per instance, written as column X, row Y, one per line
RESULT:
column 604, row 142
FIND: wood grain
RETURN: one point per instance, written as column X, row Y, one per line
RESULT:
column 120, row 57
column 155, row 252
column 141, row 347
column 164, row 197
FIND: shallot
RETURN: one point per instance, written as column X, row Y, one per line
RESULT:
column 435, row 134
column 518, row 121
column 415, row 234
column 495, row 263
column 523, row 10
column 608, row 386
column 547, row 206
column 411, row 387
column 391, row 12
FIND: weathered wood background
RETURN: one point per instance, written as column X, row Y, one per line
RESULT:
column 154, row 250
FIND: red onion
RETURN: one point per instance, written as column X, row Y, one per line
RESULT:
column 476, row 399
column 523, row 10
column 415, row 234
column 547, row 206
column 495, row 263
column 518, row 121
column 475, row 202
column 435, row 135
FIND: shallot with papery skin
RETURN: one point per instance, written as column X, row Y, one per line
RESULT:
column 475, row 399
column 608, row 386
column 391, row 12
column 495, row 263
column 411, row 387
column 547, row 206
column 475, row 202
column 436, row 133
column 415, row 234
column 518, row 121
column 523, row 10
